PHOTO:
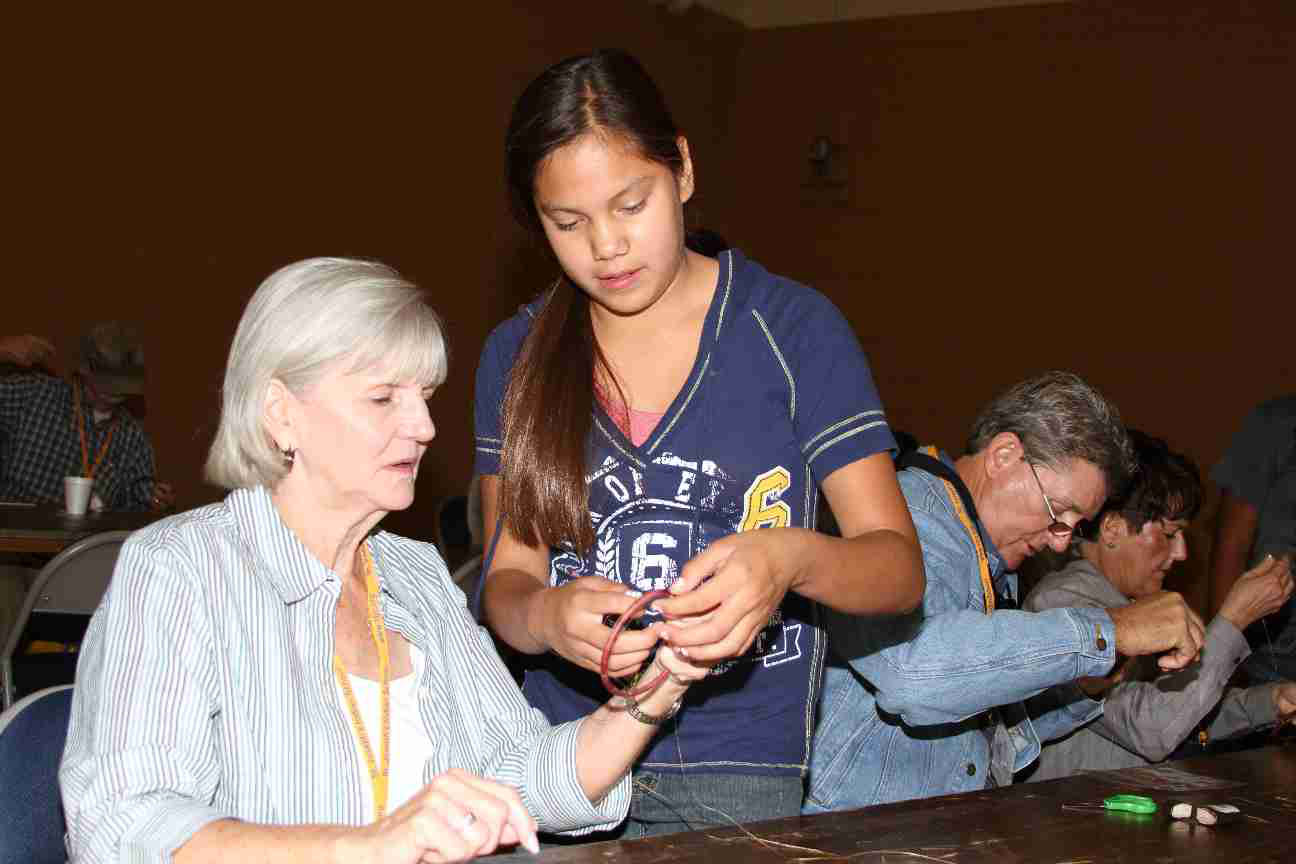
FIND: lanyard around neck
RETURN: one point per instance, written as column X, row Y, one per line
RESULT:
column 87, row 469
column 378, row 774
column 983, row 560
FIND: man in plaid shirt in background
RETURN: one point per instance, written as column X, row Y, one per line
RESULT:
column 52, row 427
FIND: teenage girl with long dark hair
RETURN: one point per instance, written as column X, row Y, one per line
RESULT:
column 660, row 419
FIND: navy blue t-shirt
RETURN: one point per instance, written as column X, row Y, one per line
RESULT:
column 779, row 397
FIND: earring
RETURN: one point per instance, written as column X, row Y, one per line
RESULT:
column 289, row 455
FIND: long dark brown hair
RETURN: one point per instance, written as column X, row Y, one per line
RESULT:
column 549, row 402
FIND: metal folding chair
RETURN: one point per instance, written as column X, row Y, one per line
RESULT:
column 65, row 594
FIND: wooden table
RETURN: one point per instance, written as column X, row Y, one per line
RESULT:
column 1030, row 822
column 45, row 530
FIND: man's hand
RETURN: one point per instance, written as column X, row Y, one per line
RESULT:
column 26, row 350
column 1260, row 591
column 1284, row 696
column 163, row 496
column 1156, row 623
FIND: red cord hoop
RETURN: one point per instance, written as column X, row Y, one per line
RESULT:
column 636, row 609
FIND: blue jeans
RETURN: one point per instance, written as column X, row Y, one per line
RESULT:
column 664, row 803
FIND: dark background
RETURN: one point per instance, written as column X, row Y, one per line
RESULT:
column 1100, row 187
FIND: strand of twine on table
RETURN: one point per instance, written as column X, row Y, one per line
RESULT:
column 1273, row 660
column 814, row 853
column 638, row 608
column 821, row 854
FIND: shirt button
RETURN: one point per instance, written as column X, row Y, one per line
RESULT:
column 971, row 769
column 1102, row 644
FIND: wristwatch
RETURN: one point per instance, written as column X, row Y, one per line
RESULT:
column 632, row 708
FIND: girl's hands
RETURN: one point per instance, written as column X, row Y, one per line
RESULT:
column 569, row 620
column 456, row 817
column 723, row 598
column 727, row 594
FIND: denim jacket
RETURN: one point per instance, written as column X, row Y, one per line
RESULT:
column 931, row 702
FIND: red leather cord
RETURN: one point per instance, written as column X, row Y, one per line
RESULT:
column 635, row 610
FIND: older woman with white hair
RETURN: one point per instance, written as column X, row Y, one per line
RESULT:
column 273, row 678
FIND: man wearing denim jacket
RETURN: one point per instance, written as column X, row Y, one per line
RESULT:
column 957, row 695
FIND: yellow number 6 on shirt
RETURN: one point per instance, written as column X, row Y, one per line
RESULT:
column 762, row 508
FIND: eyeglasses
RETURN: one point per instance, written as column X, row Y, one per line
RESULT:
column 1057, row 527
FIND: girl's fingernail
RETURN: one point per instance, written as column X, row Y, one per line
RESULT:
column 532, row 844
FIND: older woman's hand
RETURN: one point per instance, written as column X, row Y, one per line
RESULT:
column 456, row 817
column 681, row 671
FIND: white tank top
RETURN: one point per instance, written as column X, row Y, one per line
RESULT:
column 411, row 746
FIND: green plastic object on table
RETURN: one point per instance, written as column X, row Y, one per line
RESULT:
column 1130, row 804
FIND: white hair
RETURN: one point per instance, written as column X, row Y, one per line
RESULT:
column 302, row 319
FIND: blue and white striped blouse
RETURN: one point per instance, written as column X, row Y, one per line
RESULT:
column 205, row 691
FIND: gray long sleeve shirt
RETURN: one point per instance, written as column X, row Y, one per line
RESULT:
column 1149, row 713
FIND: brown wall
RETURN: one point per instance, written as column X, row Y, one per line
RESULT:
column 1101, row 187
column 166, row 164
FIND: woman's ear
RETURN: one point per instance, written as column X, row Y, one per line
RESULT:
column 685, row 177
column 1112, row 529
column 277, row 414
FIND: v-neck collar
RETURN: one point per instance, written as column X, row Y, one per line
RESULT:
column 707, row 341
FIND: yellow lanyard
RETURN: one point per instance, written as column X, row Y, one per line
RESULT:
column 378, row 776
column 983, row 560
column 87, row 469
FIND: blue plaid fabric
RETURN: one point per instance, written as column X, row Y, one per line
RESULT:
column 39, row 445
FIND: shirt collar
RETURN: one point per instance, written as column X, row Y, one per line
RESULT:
column 289, row 565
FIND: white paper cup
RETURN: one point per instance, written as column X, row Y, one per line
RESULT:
column 76, row 494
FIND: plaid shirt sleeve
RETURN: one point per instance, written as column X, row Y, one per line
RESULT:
column 11, row 400
column 35, row 437
column 125, row 480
